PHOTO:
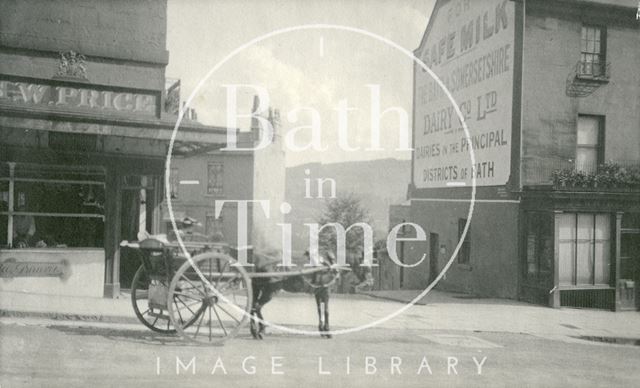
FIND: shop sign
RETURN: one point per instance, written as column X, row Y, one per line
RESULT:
column 11, row 268
column 74, row 98
column 470, row 47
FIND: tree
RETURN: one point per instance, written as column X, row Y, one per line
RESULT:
column 345, row 210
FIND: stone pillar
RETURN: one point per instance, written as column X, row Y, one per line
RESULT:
column 554, row 294
column 113, row 210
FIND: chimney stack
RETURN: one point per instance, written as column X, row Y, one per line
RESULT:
column 273, row 117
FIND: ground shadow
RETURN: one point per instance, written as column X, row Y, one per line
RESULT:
column 148, row 337
column 142, row 336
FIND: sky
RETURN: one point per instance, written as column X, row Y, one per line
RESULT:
column 305, row 73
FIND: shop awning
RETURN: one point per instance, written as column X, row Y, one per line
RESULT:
column 153, row 129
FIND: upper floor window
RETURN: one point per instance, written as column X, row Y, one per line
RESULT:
column 589, row 143
column 592, row 51
column 215, row 176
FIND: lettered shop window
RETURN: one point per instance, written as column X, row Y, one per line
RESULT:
column 589, row 139
column 592, row 51
column 464, row 254
column 215, row 175
column 584, row 243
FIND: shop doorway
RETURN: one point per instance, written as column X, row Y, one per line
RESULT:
column 629, row 283
column 434, row 250
column 138, row 215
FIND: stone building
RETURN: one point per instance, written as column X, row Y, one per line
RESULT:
column 83, row 141
column 218, row 175
column 550, row 92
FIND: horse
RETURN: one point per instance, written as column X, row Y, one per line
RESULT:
column 265, row 288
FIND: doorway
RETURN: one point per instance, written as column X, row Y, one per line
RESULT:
column 434, row 253
column 138, row 216
column 629, row 283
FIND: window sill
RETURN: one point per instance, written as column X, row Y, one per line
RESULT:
column 593, row 78
column 51, row 249
column 585, row 287
column 465, row 267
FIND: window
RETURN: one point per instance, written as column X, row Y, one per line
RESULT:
column 592, row 52
column 214, row 226
column 464, row 254
column 174, row 182
column 539, row 244
column 584, row 249
column 589, row 143
column 52, row 206
column 215, row 174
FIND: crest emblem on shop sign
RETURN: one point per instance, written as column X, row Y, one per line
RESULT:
column 72, row 65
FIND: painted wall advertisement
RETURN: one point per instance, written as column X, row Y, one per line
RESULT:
column 469, row 46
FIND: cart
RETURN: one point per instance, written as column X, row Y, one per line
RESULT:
column 205, row 300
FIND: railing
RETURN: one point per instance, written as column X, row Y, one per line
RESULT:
column 620, row 175
column 586, row 77
column 596, row 70
column 589, row 298
column 593, row 70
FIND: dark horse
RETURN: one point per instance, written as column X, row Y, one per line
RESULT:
column 265, row 288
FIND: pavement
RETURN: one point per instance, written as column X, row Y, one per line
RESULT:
column 437, row 311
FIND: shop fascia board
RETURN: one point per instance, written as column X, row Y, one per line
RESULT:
column 125, row 127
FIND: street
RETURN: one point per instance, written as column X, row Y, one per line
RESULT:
column 43, row 352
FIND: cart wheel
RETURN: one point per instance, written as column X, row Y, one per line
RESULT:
column 152, row 316
column 224, row 310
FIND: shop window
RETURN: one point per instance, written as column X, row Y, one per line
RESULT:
column 464, row 254
column 4, row 221
column 539, row 244
column 215, row 176
column 214, row 226
column 593, row 51
column 4, row 207
column 584, row 249
column 174, row 183
column 589, row 143
column 53, row 206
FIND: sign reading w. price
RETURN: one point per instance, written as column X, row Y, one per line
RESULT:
column 11, row 268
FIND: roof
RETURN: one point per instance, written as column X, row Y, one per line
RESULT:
column 619, row 4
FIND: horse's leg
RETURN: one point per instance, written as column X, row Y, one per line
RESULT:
column 320, row 308
column 326, row 312
column 322, row 304
column 265, row 296
column 324, row 296
column 253, row 327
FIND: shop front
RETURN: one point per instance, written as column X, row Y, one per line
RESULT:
column 580, row 249
column 76, row 181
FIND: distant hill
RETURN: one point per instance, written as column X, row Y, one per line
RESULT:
column 379, row 183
